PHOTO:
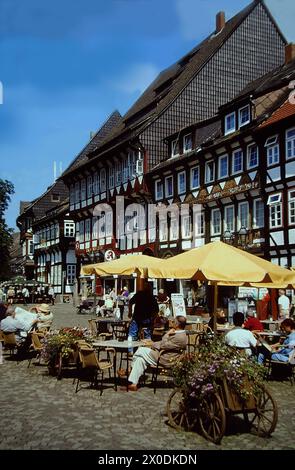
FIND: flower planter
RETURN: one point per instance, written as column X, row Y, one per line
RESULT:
column 233, row 401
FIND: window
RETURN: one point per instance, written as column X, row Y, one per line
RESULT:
column 111, row 177
column 215, row 222
column 187, row 143
column 181, row 177
column 69, row 229
column 174, row 148
column 163, row 230
column 252, row 156
column 195, row 177
column 229, row 218
column 169, row 186
column 89, row 186
column 237, row 161
column 94, row 228
column 186, row 226
column 71, row 273
column 87, row 229
column 83, row 190
column 230, row 123
column 199, row 224
column 95, row 184
column 272, row 150
column 290, row 143
column 291, row 208
column 125, row 170
column 103, row 182
column 244, row 116
column 81, row 232
column 109, row 224
column 118, row 173
column 258, row 213
column 159, row 190
column 174, row 229
column 243, row 217
column 72, row 194
column 223, row 166
column 101, row 227
column 209, row 172
column 131, row 164
column 31, row 247
column 275, row 215
column 55, row 197
column 77, row 192
column 275, row 210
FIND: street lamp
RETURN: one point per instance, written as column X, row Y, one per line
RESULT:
column 243, row 233
column 228, row 237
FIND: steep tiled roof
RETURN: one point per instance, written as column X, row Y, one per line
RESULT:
column 286, row 110
column 96, row 140
column 169, row 84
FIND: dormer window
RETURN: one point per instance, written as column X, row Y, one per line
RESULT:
column 187, row 143
column 55, row 197
column 230, row 123
column 174, row 148
column 244, row 116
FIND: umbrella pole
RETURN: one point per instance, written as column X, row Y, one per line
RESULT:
column 215, row 307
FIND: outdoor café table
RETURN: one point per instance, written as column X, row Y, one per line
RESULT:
column 103, row 323
column 271, row 325
column 118, row 346
column 269, row 336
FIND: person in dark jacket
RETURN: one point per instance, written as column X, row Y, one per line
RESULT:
column 145, row 309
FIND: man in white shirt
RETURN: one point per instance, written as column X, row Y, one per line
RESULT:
column 12, row 324
column 284, row 305
column 239, row 337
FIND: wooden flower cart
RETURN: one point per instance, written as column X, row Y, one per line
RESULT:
column 210, row 413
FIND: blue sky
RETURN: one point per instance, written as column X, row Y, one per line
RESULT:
column 66, row 65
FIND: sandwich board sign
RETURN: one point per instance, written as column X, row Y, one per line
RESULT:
column 178, row 305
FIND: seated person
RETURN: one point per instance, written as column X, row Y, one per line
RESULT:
column 45, row 316
column 106, row 308
column 252, row 323
column 163, row 302
column 220, row 318
column 173, row 342
column 239, row 337
column 282, row 351
column 11, row 324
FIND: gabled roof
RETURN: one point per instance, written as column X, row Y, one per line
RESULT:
column 286, row 110
column 169, row 84
column 96, row 140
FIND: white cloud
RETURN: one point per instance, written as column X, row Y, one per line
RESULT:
column 136, row 79
column 283, row 12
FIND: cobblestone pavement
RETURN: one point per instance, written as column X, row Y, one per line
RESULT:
column 40, row 412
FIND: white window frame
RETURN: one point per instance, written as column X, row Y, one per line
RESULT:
column 241, row 124
column 87, row 230
column 199, row 224
column 174, row 229
column 89, row 186
column 159, row 194
column 213, row 173
column 235, row 152
column 191, row 143
column 181, row 190
column 118, row 173
column 111, row 177
column 83, row 190
column 95, row 183
column 222, row 157
column 255, row 223
column 291, row 206
column 292, row 141
column 277, row 211
column 213, row 233
column 71, row 273
column 192, row 177
column 81, row 231
column 275, row 198
column 272, row 143
column 163, row 231
column 166, row 186
column 225, row 225
column 248, row 156
column 125, row 170
column 232, row 129
column 94, row 228
column 77, row 192
column 240, row 224
column 103, row 180
column 174, row 145
column 69, row 229
column 186, row 227
column 72, row 194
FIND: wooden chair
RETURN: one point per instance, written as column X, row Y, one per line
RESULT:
column 90, row 364
column 288, row 368
column 159, row 370
column 92, row 327
column 36, row 346
column 10, row 342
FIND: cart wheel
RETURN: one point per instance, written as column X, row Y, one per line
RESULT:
column 265, row 416
column 212, row 419
column 179, row 416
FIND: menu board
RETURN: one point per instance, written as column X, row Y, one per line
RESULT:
column 178, row 305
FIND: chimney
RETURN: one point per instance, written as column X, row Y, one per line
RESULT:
column 289, row 53
column 220, row 21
